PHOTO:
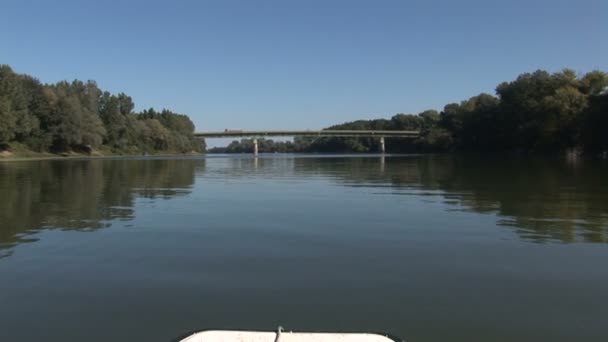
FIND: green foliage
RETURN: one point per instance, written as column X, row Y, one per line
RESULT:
column 538, row 112
column 74, row 120
column 425, row 122
column 79, row 116
column 15, row 117
column 169, row 131
column 595, row 121
column 471, row 122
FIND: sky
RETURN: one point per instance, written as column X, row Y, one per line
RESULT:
column 285, row 64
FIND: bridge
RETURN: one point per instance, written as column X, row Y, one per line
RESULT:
column 228, row 133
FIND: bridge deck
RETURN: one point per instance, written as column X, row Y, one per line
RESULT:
column 311, row 133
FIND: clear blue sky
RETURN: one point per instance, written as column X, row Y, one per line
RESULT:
column 299, row 64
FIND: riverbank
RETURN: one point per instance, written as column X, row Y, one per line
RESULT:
column 19, row 153
column 86, row 156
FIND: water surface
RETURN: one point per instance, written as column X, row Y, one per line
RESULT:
column 427, row 248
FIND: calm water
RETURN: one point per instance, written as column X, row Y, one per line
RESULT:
column 427, row 248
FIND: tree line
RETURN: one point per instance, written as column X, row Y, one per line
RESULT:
column 78, row 116
column 538, row 112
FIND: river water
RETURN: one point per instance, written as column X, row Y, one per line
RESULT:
column 429, row 248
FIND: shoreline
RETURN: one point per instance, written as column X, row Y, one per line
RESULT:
column 18, row 157
column 76, row 156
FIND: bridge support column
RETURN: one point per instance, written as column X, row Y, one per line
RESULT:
column 382, row 147
column 255, row 146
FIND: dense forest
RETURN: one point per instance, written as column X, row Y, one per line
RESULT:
column 79, row 117
column 538, row 112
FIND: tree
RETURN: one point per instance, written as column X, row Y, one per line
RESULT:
column 114, row 121
column 594, row 83
column 73, row 123
column 7, row 122
column 78, row 115
column 561, row 118
column 16, row 122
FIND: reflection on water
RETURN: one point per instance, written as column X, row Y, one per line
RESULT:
column 431, row 248
column 542, row 200
column 82, row 195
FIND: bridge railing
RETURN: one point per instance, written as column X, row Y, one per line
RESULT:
column 293, row 133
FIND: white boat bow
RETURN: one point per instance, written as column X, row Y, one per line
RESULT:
column 284, row 336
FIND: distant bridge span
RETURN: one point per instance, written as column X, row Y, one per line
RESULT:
column 307, row 133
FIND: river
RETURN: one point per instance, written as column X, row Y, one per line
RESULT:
column 429, row 248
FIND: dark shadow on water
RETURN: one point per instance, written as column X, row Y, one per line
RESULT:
column 82, row 195
column 541, row 200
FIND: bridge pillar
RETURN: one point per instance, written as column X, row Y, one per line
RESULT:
column 255, row 146
column 382, row 147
